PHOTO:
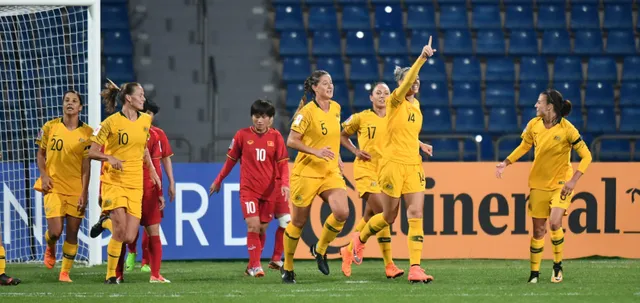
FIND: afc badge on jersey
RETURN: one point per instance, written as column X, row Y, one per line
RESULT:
column 40, row 134
column 348, row 119
column 297, row 120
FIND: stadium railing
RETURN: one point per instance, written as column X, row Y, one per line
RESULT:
column 597, row 142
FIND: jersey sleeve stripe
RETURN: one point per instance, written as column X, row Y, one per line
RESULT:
column 577, row 141
column 232, row 158
column 283, row 159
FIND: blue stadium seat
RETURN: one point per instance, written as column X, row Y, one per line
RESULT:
column 388, row 17
column 518, row 16
column 326, row 43
column 288, row 17
column 490, row 42
column 360, row 43
column 421, row 16
column 293, row 43
column 117, row 43
column 295, row 69
column 529, row 91
column 630, row 120
column 528, row 113
column 567, row 68
column 621, row 42
column 486, row 16
column 584, row 16
column 500, row 94
column 447, row 149
column 575, row 117
column 433, row 70
column 500, row 69
column 551, row 16
column 466, row 94
column 558, row 2
column 420, row 38
column 556, row 42
column 614, row 150
column 599, row 94
column 631, row 69
column 361, row 94
column 601, row 120
column 507, row 145
column 433, row 93
column 114, row 17
column 629, row 95
column 115, row 1
column 436, row 120
column 465, row 69
column 389, row 65
column 334, row 66
column 343, row 2
column 523, row 42
column 469, row 119
column 341, row 95
column 311, row 2
column 279, row 2
column 533, row 69
column 618, row 16
column 503, row 120
column 602, row 69
column 119, row 66
column 570, row 90
column 588, row 42
column 294, row 94
column 322, row 17
column 392, row 43
column 453, row 17
column 364, row 69
column 457, row 42
column 355, row 17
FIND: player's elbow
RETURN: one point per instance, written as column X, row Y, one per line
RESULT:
column 291, row 142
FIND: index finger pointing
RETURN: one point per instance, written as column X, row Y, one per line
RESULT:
column 429, row 44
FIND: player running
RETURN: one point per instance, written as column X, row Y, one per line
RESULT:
column 551, row 178
column 264, row 175
column 64, row 179
column 400, row 171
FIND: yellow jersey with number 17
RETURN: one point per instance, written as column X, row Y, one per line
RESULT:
column 125, row 140
column 319, row 129
column 372, row 131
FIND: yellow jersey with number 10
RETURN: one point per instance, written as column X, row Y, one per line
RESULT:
column 372, row 132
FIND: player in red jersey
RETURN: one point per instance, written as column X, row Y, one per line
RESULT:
column 264, row 176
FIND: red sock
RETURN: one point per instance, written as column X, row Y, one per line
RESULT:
column 278, row 246
column 263, row 239
column 155, row 255
column 120, row 267
column 133, row 245
column 145, row 248
column 254, row 248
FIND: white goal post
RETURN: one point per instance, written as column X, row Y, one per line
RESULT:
column 24, row 57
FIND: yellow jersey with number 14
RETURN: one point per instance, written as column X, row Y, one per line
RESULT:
column 319, row 129
column 372, row 131
column 125, row 140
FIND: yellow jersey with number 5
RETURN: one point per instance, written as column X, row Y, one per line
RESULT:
column 319, row 129
column 372, row 131
column 125, row 140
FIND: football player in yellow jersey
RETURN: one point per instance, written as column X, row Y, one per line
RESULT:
column 551, row 178
column 124, row 136
column 400, row 171
column 64, row 179
column 317, row 170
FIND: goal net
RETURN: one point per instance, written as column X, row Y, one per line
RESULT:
column 43, row 53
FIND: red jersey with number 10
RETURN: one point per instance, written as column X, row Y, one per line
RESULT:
column 259, row 155
column 159, row 148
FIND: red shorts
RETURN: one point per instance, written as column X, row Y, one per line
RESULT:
column 281, row 206
column 253, row 206
column 151, row 213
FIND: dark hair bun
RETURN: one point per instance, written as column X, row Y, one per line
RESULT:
column 566, row 108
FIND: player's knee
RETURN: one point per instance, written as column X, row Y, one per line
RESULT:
column 539, row 231
column 54, row 233
column 284, row 220
column 341, row 214
column 555, row 225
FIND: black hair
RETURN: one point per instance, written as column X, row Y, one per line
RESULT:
column 72, row 91
column 150, row 106
column 263, row 107
column 561, row 106
column 373, row 86
column 112, row 94
column 309, row 83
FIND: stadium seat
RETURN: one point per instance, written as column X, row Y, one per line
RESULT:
column 364, row 69
column 334, row 66
column 506, row 146
column 392, row 43
column 322, row 17
column 114, row 1
column 294, row 94
column 584, row 16
column 293, row 43
column 629, row 95
column 355, row 17
column 389, row 65
column 630, row 120
column 560, row 2
column 576, row 118
column 457, row 42
column 288, row 17
column 295, row 69
column 436, row 120
column 533, row 69
column 361, row 94
column 602, row 69
column 119, row 66
column 360, row 43
column 433, row 70
column 500, row 94
column 529, row 91
column 490, row 42
column 614, row 150
column 453, row 16
column 466, row 94
column 420, row 38
column 570, row 90
column 485, row 16
column 523, row 42
column 528, row 113
column 341, row 95
column 599, row 94
column 500, row 69
column 117, row 43
column 447, row 149
column 114, row 17
column 469, row 119
column 618, row 16
column 567, row 68
column 503, row 120
column 421, row 17
column 311, row 2
column 279, row 2
column 631, row 69
column 465, row 69
column 621, row 42
column 588, row 42
column 551, row 16
column 326, row 43
column 518, row 16
column 375, row 2
column 556, row 42
column 601, row 120
column 388, row 17
column 433, row 93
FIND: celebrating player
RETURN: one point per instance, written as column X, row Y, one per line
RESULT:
column 124, row 137
column 551, row 178
column 315, row 132
column 64, row 179
column 400, row 171
column 263, row 157
column 4, row 279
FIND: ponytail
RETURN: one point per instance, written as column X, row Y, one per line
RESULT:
column 309, row 83
column 566, row 108
column 110, row 96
